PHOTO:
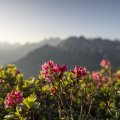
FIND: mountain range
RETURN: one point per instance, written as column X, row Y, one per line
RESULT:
column 14, row 52
column 71, row 51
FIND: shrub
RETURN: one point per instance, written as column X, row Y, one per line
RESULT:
column 58, row 94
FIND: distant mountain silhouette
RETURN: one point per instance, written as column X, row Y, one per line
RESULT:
column 72, row 51
column 13, row 52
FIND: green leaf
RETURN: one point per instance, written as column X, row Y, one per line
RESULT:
column 29, row 101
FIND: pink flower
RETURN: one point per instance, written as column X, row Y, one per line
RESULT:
column 13, row 98
column 105, row 63
column 99, row 84
column 59, row 69
column 104, row 79
column 50, row 68
column 79, row 71
column 99, row 79
column 47, row 70
column 96, row 76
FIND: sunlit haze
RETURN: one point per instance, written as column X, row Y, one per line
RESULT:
column 34, row 20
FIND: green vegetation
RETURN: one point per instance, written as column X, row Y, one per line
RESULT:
column 58, row 94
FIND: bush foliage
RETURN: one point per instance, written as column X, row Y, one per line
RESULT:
column 59, row 94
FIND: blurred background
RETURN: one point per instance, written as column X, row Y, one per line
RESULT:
column 71, row 32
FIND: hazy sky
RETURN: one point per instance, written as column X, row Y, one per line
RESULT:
column 34, row 20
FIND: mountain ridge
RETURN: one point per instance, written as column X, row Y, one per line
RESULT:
column 14, row 52
column 72, row 51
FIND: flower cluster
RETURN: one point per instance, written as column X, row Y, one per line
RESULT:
column 79, row 71
column 50, row 68
column 98, row 78
column 105, row 63
column 13, row 98
column 59, row 69
column 47, row 70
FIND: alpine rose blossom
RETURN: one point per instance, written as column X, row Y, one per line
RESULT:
column 47, row 70
column 99, row 79
column 59, row 69
column 50, row 68
column 104, row 79
column 13, row 98
column 79, row 71
column 96, row 76
column 105, row 63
